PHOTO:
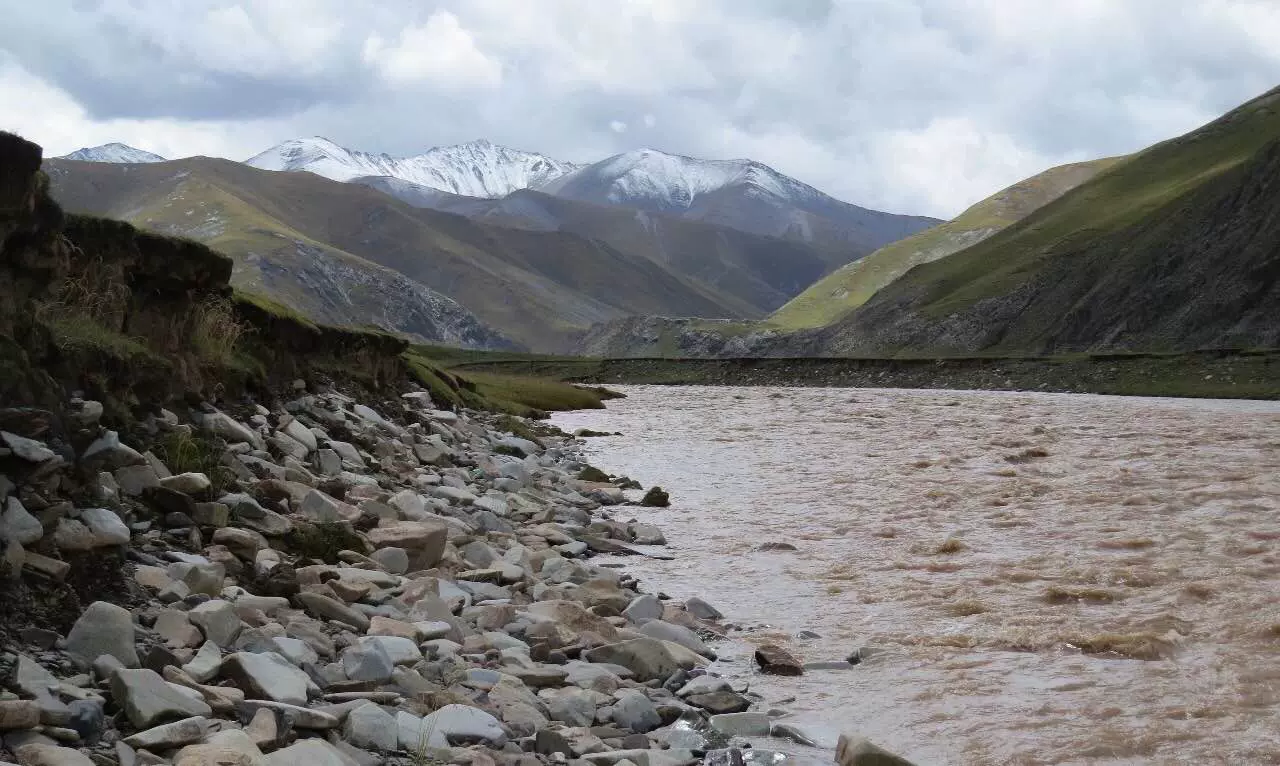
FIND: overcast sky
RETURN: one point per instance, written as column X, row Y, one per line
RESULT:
column 921, row 106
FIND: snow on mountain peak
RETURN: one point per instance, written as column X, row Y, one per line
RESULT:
column 670, row 182
column 113, row 152
column 475, row 169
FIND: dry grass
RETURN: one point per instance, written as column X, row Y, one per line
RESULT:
column 949, row 546
column 1058, row 594
column 216, row 331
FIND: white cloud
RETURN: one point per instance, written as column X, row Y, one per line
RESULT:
column 910, row 105
column 618, row 126
column 440, row 52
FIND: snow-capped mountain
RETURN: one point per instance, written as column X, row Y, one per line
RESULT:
column 669, row 183
column 475, row 169
column 113, row 152
column 742, row 194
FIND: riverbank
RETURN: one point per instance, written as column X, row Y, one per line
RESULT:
column 334, row 581
column 1218, row 374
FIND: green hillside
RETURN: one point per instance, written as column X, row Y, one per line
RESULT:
column 1171, row 247
column 853, row 284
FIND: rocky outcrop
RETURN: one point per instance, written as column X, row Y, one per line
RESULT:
column 128, row 316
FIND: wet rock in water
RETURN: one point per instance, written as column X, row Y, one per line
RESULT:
column 859, row 751
column 656, row 497
column 775, row 660
column 702, row 610
column 719, row 702
column 741, row 724
column 775, row 545
column 783, row 730
column 677, row 634
column 646, row 607
column 103, row 629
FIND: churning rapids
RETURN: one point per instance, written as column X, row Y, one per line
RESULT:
column 1049, row 578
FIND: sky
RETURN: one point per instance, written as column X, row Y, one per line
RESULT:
column 912, row 106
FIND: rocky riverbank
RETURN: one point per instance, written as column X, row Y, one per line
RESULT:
column 333, row 582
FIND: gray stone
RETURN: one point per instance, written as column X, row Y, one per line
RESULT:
column 319, row 507
column 51, row 755
column 187, row 483
column 19, row 714
column 371, row 727
column 677, row 634
column 367, row 662
column 221, row 424
column 310, row 752
column 394, row 560
column 646, row 607
column 106, row 527
column 648, row 658
column 148, row 699
column 328, row 462
column 103, row 628
column 572, row 706
column 171, row 735
column 636, row 712
column 29, row 450
column 327, row 608
column 267, row 676
column 17, row 525
column 218, row 620
column 135, row 478
column 858, row 751
column 783, row 730
column 463, row 725
column 204, row 666
column 106, row 453
column 302, row 434
column 702, row 610
column 401, row 650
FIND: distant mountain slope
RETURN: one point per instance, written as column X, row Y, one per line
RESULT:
column 753, row 272
column 1175, row 247
column 299, row 235
column 114, row 152
column 851, row 285
column 740, row 194
column 476, row 169
column 325, row 283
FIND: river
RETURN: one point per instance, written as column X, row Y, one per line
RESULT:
column 1045, row 578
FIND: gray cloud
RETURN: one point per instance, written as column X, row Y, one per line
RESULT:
column 908, row 105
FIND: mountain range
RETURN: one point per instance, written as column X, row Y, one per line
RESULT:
column 1173, row 248
column 691, row 237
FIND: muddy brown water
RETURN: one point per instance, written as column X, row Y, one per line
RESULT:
column 1049, row 578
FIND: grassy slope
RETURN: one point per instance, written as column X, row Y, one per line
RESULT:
column 851, row 286
column 1132, row 189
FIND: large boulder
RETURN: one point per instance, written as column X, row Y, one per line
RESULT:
column 267, row 676
column 423, row 541
column 648, row 658
column 103, row 628
column 859, row 751
column 148, row 700
column 372, row 728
